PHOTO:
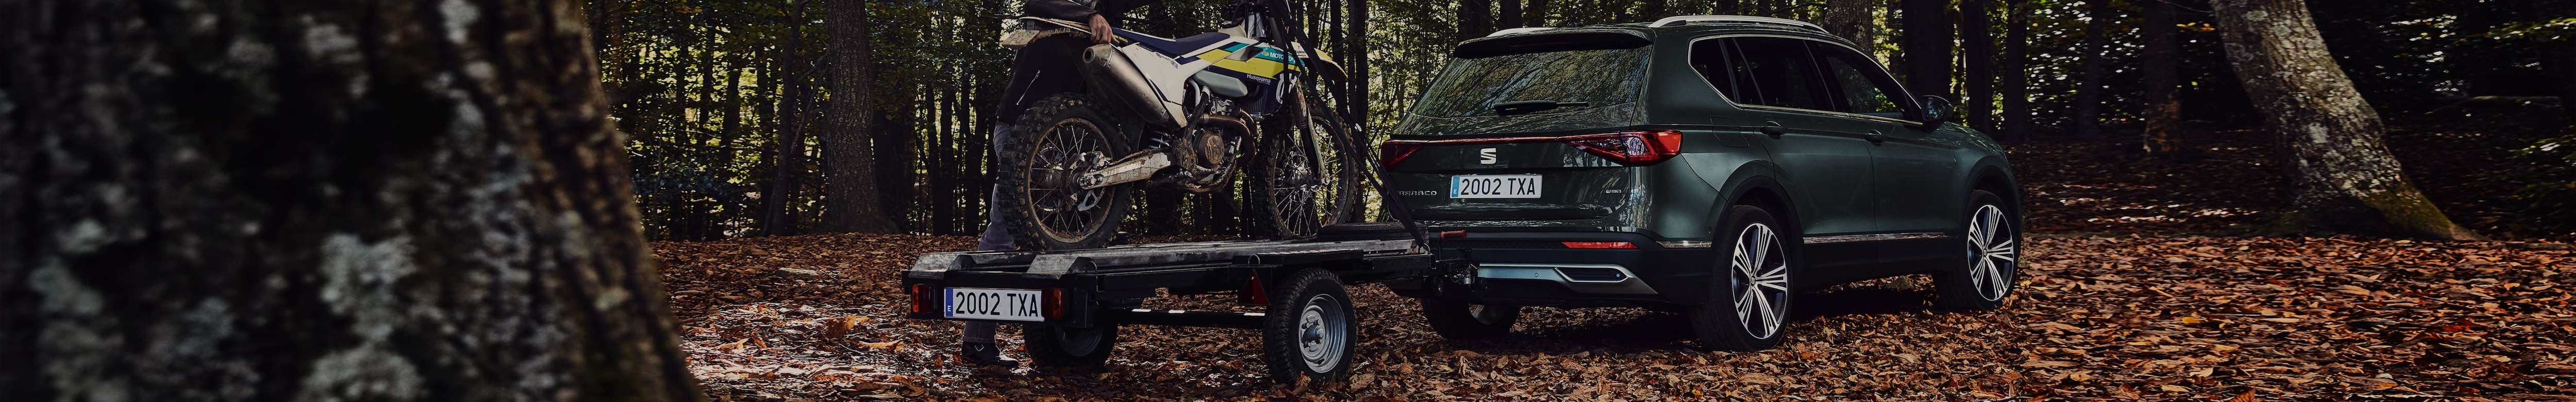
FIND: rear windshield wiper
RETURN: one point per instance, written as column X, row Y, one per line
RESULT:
column 1533, row 106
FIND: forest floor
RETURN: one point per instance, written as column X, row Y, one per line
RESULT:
column 2140, row 282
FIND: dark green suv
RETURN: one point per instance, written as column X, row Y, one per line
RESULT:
column 1714, row 165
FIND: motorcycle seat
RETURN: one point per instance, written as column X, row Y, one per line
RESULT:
column 1173, row 47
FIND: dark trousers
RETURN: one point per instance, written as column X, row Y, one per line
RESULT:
column 995, row 238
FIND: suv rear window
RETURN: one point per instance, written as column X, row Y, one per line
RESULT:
column 1597, row 77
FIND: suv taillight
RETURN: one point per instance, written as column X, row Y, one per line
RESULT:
column 1634, row 148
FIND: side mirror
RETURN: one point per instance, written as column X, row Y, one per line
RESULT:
column 1937, row 110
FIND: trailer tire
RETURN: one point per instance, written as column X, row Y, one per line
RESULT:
column 1310, row 329
column 1458, row 320
column 1060, row 346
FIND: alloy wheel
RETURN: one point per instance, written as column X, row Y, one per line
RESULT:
column 1992, row 253
column 1759, row 276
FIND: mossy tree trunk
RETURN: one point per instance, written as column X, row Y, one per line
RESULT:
column 310, row 201
column 2343, row 176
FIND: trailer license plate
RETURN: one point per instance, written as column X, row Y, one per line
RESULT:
column 1494, row 186
column 994, row 304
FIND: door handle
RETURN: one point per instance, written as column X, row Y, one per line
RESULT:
column 1875, row 137
column 1773, row 129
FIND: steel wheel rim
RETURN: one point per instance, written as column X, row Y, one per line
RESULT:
column 1758, row 276
column 1992, row 253
column 1320, row 330
column 1065, row 212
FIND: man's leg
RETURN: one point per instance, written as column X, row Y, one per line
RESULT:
column 979, row 347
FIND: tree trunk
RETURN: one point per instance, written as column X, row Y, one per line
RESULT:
column 2343, row 176
column 1927, row 47
column 1978, row 41
column 1357, row 65
column 775, row 218
column 2097, row 66
column 2161, row 62
column 1475, row 19
column 1855, row 20
column 1510, row 16
column 850, row 188
column 386, row 201
column 2016, row 77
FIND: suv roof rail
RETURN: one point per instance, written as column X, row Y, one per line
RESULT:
column 1518, row 31
column 1685, row 19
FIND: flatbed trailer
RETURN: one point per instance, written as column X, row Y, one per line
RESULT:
column 1070, row 303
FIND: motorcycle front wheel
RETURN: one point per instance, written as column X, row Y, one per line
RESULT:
column 1052, row 144
column 1309, row 172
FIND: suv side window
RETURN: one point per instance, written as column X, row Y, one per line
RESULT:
column 1860, row 87
column 1771, row 72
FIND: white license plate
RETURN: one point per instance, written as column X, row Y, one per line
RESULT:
column 994, row 304
column 1494, row 186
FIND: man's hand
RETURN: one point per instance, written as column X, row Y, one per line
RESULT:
column 1100, row 30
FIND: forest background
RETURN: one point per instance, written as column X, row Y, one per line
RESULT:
column 732, row 110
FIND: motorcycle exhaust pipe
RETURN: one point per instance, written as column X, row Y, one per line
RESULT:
column 1111, row 74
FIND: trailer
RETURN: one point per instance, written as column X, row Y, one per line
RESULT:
column 1070, row 303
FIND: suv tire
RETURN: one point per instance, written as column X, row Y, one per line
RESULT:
column 1989, row 259
column 1458, row 320
column 1747, row 308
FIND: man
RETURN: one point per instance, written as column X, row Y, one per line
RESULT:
column 1044, row 67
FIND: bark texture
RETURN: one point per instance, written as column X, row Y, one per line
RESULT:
column 318, row 201
column 2343, row 176
column 1977, row 43
column 2097, row 67
column 2161, row 62
column 1854, row 20
column 850, row 191
column 2016, row 70
column 1928, row 40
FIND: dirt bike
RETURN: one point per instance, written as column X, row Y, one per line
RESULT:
column 1178, row 113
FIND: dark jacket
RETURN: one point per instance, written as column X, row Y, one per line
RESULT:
column 1046, row 67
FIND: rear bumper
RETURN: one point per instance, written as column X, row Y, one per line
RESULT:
column 1536, row 268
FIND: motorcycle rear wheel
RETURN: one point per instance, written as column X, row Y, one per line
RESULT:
column 1056, row 140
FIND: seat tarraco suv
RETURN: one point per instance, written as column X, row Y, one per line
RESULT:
column 1712, row 165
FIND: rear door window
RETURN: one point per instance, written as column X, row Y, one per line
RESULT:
column 1860, row 87
column 1778, row 72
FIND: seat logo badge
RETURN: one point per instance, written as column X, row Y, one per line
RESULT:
column 1487, row 154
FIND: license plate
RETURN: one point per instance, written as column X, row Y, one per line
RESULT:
column 1494, row 186
column 994, row 304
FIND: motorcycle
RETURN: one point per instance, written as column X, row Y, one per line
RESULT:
column 1177, row 113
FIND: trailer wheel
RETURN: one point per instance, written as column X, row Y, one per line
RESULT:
column 1060, row 346
column 1310, row 328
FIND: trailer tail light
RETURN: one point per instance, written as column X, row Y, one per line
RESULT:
column 1601, row 245
column 1633, row 148
column 921, row 299
column 1054, row 304
column 1253, row 293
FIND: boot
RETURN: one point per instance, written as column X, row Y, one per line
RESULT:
column 985, row 354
